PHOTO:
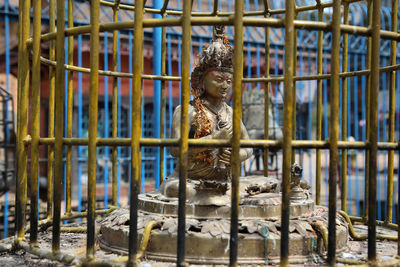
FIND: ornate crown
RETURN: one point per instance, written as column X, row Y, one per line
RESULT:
column 216, row 56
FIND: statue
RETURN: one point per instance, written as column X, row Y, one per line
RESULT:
column 208, row 205
column 210, row 117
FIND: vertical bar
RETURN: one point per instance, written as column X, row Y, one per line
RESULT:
column 237, row 114
column 170, row 103
column 398, row 207
column 9, row 114
column 136, row 129
column 50, row 149
column 319, row 107
column 59, row 124
column 80, row 124
column 344, row 108
column 373, row 117
column 368, row 103
column 106, row 120
column 115, row 110
column 392, row 114
column 69, row 105
column 22, row 122
column 333, row 133
column 183, row 144
column 294, row 103
column 288, row 128
column 93, row 109
column 162, row 106
column 266, row 97
column 35, row 109
column 157, row 48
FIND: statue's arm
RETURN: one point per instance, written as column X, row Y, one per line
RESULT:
column 176, row 131
column 246, row 152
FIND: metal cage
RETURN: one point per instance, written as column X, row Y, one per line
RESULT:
column 60, row 138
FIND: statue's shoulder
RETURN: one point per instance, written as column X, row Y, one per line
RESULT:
column 179, row 107
column 228, row 108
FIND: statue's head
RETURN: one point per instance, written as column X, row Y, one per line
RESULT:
column 215, row 63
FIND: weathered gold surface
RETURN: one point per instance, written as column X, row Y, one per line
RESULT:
column 264, row 205
column 207, row 240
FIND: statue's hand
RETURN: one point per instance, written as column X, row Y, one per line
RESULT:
column 225, row 156
column 225, row 133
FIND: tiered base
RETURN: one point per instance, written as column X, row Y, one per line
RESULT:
column 208, row 230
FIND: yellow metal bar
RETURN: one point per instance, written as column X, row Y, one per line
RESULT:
column 50, row 134
column 344, row 109
column 114, row 152
column 22, row 122
column 306, row 144
column 266, row 95
column 164, row 7
column 215, row 8
column 162, row 107
column 294, row 112
column 69, row 106
column 93, row 109
column 136, row 131
column 184, row 129
column 35, row 109
column 373, row 129
column 319, row 107
column 392, row 114
column 59, row 125
column 334, row 133
column 287, row 130
column 244, row 80
column 237, row 115
column 223, row 20
column 367, row 109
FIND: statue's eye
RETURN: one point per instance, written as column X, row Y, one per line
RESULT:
column 220, row 80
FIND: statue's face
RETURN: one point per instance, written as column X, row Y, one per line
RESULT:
column 217, row 84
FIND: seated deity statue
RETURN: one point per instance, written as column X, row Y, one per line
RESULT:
column 210, row 117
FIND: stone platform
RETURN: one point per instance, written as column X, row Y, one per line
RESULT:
column 208, row 229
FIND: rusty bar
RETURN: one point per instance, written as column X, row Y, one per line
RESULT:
column 59, row 125
column 237, row 114
column 114, row 112
column 184, row 129
column 137, row 64
column 392, row 114
column 70, row 106
column 373, row 129
column 287, row 130
column 35, row 109
column 93, row 109
column 50, row 133
column 333, row 133
column 344, row 109
column 319, row 107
